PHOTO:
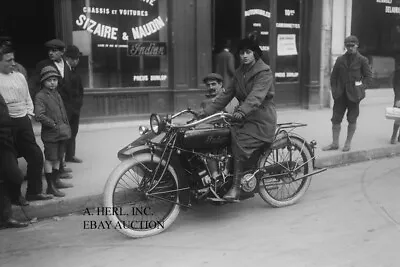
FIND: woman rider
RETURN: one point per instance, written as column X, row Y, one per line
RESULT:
column 253, row 86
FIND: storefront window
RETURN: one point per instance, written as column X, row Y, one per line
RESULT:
column 288, row 33
column 124, row 42
column 257, row 22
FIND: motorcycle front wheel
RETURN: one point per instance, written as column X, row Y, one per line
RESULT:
column 143, row 201
column 283, row 186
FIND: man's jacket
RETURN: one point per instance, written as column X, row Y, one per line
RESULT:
column 351, row 77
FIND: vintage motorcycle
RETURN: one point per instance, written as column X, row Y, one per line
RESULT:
column 165, row 170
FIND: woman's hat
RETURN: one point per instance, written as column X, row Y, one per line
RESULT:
column 47, row 72
column 250, row 44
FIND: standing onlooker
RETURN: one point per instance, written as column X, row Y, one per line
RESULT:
column 50, row 112
column 225, row 63
column 351, row 75
column 56, row 49
column 10, row 174
column 14, row 89
column 6, row 41
column 72, row 95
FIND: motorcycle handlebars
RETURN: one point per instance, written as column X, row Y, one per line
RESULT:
column 219, row 115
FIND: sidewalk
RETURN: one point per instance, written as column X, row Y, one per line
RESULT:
column 98, row 144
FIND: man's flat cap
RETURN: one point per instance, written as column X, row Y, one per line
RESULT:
column 351, row 40
column 213, row 77
column 55, row 43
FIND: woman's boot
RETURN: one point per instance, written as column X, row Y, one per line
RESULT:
column 234, row 193
column 58, row 183
column 51, row 189
column 335, row 138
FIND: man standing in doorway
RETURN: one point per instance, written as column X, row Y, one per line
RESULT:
column 225, row 63
column 72, row 96
column 350, row 77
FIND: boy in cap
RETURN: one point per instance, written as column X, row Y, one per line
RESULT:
column 56, row 49
column 50, row 112
column 72, row 96
column 351, row 75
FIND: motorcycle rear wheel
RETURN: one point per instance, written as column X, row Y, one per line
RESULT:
column 144, row 199
column 269, row 189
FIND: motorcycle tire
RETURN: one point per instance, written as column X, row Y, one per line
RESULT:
column 125, row 168
column 298, row 144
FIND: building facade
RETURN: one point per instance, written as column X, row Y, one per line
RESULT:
column 144, row 56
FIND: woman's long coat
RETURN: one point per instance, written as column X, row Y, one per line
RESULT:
column 50, row 112
column 255, row 90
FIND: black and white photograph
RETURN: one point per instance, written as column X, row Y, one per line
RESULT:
column 173, row 133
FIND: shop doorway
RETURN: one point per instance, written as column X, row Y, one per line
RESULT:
column 226, row 25
column 30, row 24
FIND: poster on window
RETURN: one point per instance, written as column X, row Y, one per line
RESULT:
column 286, row 45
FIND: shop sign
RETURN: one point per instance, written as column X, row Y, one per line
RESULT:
column 104, row 30
column 389, row 9
column 149, row 78
column 257, row 11
column 137, row 49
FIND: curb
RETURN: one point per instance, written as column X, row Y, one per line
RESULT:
column 60, row 207
column 357, row 156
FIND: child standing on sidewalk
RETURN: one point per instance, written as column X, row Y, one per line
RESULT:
column 50, row 112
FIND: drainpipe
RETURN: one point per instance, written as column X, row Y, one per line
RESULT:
column 323, row 62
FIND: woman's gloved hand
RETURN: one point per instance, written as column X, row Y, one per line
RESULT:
column 238, row 115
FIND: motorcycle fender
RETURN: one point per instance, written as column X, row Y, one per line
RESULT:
column 135, row 146
column 281, row 141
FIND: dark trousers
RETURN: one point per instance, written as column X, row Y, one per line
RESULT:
column 5, row 203
column 28, row 149
column 340, row 106
column 71, row 143
column 10, row 182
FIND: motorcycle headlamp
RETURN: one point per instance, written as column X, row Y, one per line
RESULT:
column 156, row 124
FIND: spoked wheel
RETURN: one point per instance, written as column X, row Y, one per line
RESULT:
column 143, row 206
column 282, row 186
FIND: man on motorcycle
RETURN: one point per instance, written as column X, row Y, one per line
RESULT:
column 253, row 86
column 214, row 84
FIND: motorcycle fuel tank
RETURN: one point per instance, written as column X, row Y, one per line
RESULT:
column 207, row 138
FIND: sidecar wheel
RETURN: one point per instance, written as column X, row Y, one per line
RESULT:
column 139, row 211
column 284, row 191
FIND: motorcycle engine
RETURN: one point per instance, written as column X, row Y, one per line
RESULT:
column 248, row 182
